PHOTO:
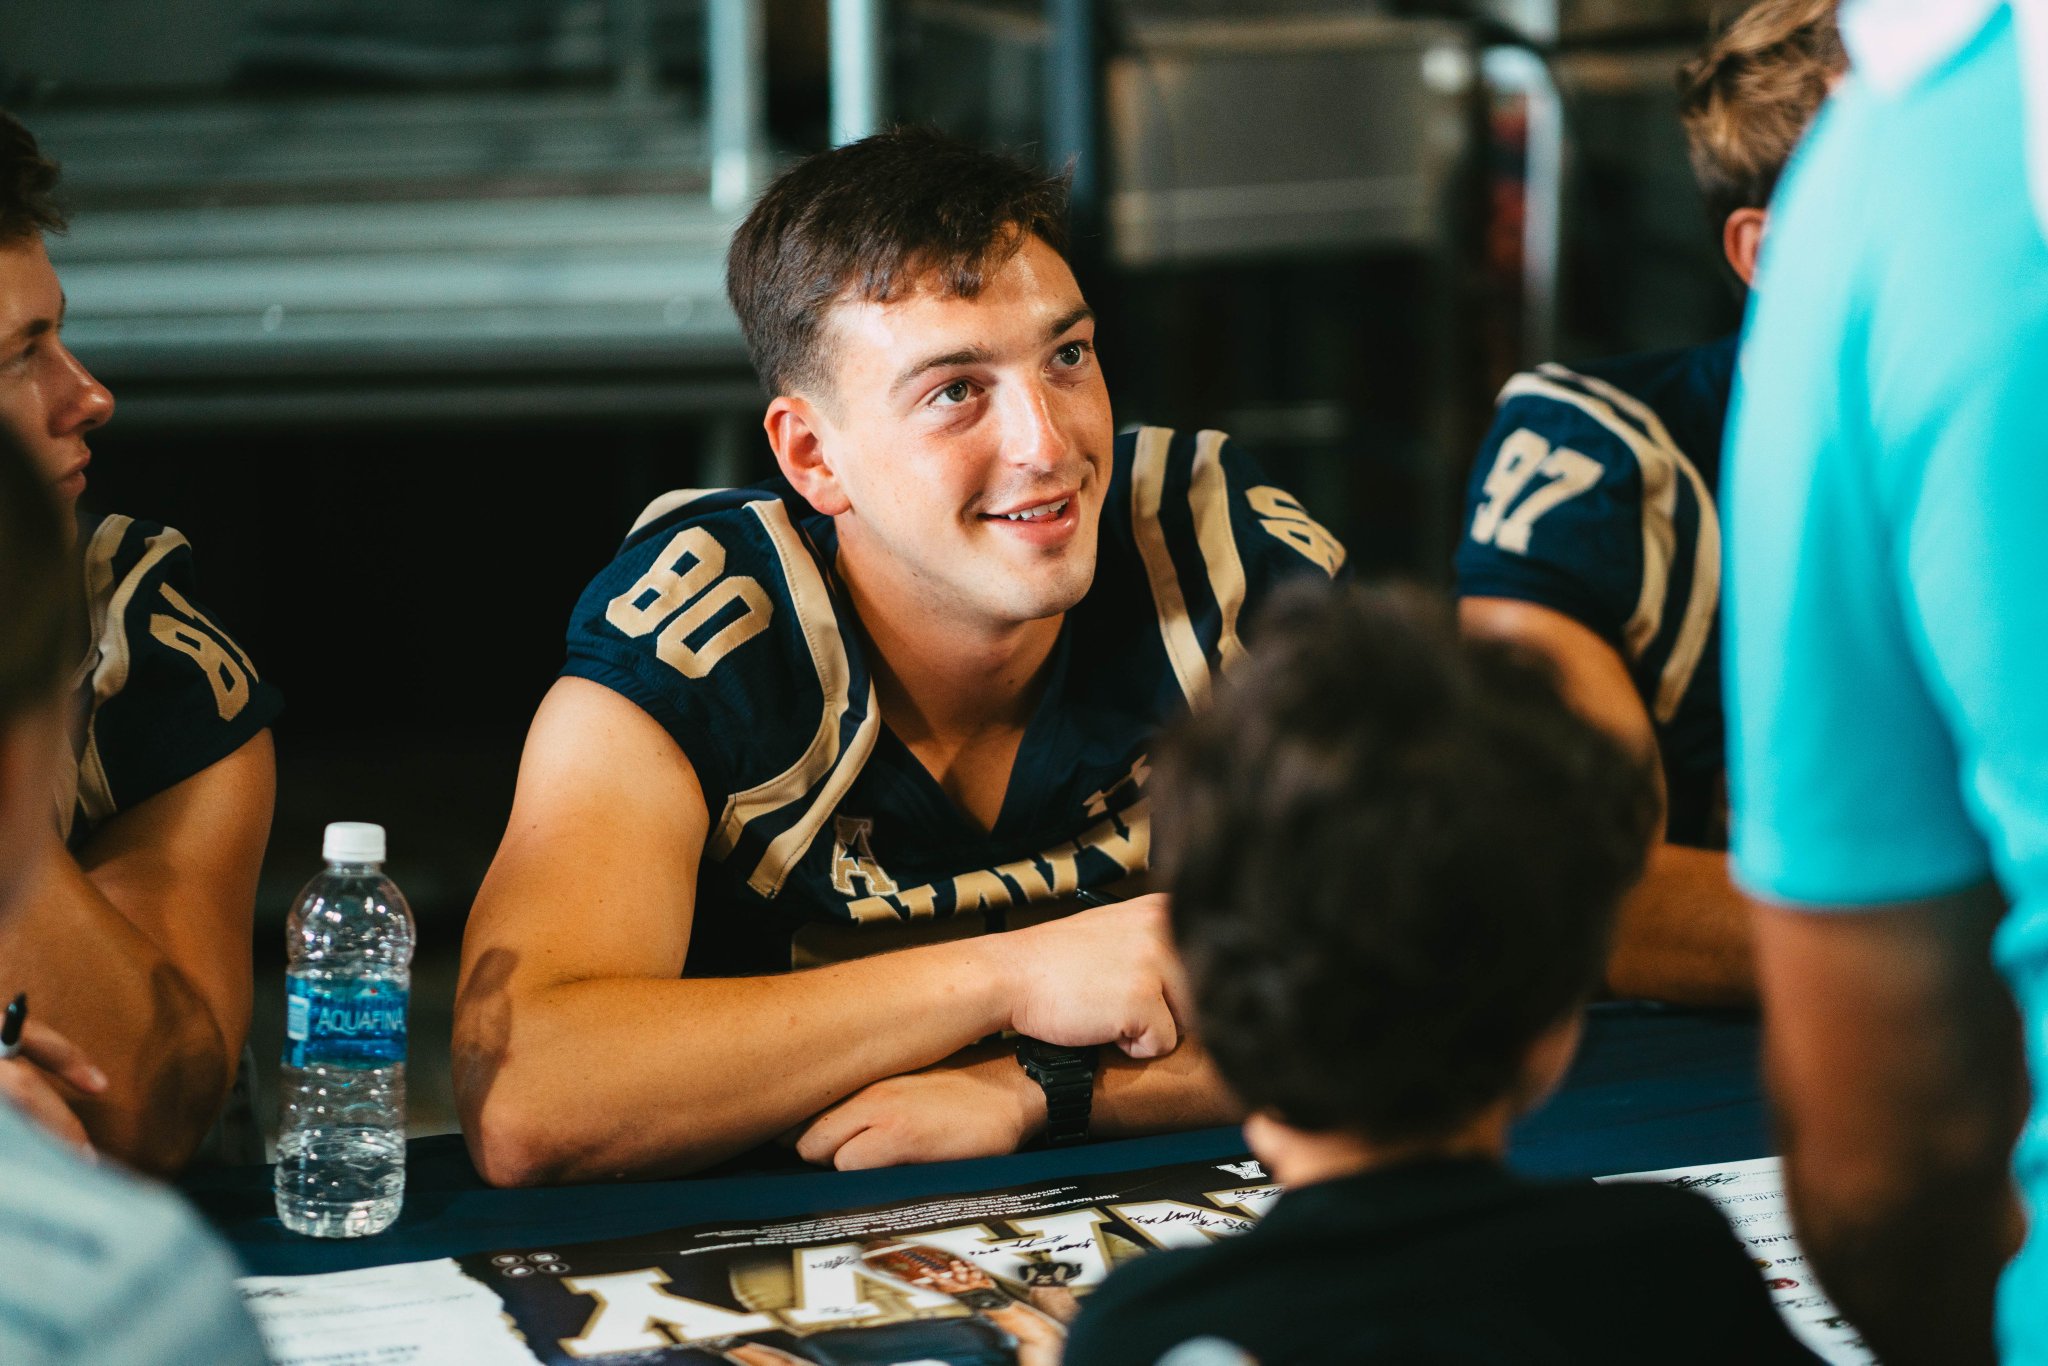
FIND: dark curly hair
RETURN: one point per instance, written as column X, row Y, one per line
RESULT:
column 867, row 221
column 28, row 180
column 1395, row 858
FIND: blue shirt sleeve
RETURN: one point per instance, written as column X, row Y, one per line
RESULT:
column 1887, row 557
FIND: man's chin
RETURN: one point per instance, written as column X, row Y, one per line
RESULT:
column 1035, row 600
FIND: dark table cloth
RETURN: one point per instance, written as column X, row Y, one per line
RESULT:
column 1652, row 1087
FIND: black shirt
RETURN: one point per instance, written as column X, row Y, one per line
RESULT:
column 1452, row 1261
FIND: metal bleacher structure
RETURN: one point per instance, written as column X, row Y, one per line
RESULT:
column 401, row 256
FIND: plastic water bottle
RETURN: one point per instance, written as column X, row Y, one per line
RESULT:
column 341, row 1139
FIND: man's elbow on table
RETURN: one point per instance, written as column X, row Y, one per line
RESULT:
column 157, row 1124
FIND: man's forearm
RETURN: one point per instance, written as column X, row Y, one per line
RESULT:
column 1685, row 933
column 1894, row 1056
column 604, row 1078
column 1915, row 1267
column 94, row 976
column 1179, row 1091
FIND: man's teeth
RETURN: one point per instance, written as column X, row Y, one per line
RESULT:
column 1037, row 514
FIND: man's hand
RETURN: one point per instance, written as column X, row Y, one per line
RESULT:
column 981, row 1104
column 1107, row 975
column 30, row 1081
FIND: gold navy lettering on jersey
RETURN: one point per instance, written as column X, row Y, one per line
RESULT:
column 721, row 618
column 163, row 690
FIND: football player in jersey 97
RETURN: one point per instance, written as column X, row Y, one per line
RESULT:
column 134, row 941
column 1592, row 531
column 897, row 697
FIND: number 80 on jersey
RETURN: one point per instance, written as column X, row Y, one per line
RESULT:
column 686, row 587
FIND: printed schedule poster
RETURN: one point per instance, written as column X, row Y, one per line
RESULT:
column 987, row 1279
column 1751, row 1197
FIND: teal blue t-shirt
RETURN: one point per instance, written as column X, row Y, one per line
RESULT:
column 106, row 1269
column 1888, row 505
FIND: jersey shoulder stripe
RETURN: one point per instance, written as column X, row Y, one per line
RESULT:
column 166, row 690
column 1211, row 536
column 1663, row 469
column 717, row 619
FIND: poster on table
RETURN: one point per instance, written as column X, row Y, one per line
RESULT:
column 987, row 1279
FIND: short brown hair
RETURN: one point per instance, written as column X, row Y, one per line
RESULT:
column 1747, row 98
column 867, row 221
column 1395, row 857
column 27, row 180
column 38, row 592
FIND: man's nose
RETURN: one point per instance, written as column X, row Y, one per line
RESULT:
column 1038, row 439
column 85, row 402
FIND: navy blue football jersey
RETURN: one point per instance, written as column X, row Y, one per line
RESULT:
column 1594, row 496
column 163, row 691
column 721, row 619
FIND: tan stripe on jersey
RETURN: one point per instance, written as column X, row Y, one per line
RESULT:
column 109, row 605
column 1705, row 594
column 669, row 502
column 1209, row 499
column 1148, row 490
column 1662, row 465
column 822, row 760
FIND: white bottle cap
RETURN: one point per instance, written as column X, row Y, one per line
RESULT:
column 353, row 842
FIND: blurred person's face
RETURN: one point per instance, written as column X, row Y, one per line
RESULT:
column 48, row 401
column 964, row 448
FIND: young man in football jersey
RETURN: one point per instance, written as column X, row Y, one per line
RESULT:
column 134, row 940
column 899, row 697
column 101, row 1266
column 1592, row 531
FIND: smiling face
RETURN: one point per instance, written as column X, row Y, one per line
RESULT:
column 964, row 445
column 48, row 401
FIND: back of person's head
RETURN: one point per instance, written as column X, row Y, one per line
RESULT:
column 1395, row 857
column 28, row 181
column 1747, row 99
column 38, row 615
column 868, row 222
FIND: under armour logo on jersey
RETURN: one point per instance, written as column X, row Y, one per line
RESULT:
column 853, row 857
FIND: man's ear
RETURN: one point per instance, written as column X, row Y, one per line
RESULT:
column 801, row 437
column 1742, row 237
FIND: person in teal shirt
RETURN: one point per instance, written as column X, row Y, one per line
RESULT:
column 1888, row 650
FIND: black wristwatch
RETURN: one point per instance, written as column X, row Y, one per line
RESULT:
column 1067, row 1076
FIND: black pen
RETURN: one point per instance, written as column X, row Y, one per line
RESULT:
column 12, row 1025
column 1088, row 898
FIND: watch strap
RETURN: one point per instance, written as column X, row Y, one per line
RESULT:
column 1067, row 1076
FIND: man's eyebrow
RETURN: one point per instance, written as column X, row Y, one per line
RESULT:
column 981, row 355
column 966, row 355
column 36, row 327
column 1078, row 316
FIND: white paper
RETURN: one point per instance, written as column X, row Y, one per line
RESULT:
column 412, row 1314
column 1751, row 1197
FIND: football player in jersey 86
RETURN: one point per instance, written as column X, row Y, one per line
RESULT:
column 135, row 939
column 1591, row 527
column 897, row 697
